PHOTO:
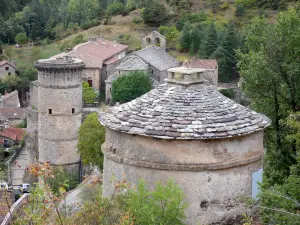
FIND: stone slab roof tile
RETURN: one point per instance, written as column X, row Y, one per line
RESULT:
column 164, row 113
column 157, row 57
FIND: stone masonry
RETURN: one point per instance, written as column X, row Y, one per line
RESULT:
column 188, row 131
column 59, row 111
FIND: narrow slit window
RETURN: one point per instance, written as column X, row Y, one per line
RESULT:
column 73, row 110
column 50, row 111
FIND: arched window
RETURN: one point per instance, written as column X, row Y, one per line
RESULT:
column 148, row 40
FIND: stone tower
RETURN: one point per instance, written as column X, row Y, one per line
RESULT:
column 59, row 111
column 211, row 146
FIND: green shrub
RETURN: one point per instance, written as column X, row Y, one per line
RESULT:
column 137, row 20
column 91, row 136
column 62, row 178
column 23, row 123
column 164, row 205
column 78, row 39
column 130, row 86
column 21, row 38
column 115, row 8
column 88, row 93
column 154, row 12
column 229, row 93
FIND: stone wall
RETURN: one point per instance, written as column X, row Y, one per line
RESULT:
column 60, row 114
column 34, row 92
column 4, row 72
column 94, row 74
column 32, row 135
column 151, row 40
column 214, row 174
column 156, row 74
column 10, row 100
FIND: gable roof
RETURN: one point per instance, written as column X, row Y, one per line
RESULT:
column 14, row 134
column 95, row 53
column 203, row 63
column 131, row 63
column 4, row 62
column 157, row 57
column 13, row 113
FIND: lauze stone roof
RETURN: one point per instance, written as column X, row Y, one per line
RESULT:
column 178, row 112
column 157, row 57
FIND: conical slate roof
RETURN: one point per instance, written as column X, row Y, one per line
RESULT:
column 182, row 112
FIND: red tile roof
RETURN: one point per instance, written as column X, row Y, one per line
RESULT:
column 203, row 63
column 95, row 53
column 13, row 113
column 14, row 134
column 4, row 62
column 111, row 60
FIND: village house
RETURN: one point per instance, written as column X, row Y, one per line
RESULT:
column 10, row 100
column 207, row 64
column 208, row 144
column 154, row 39
column 100, row 57
column 129, row 64
column 11, row 136
column 11, row 116
column 7, row 68
column 158, row 62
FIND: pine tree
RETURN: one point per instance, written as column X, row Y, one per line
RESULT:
column 185, row 40
column 210, row 42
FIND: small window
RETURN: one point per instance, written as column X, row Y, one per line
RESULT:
column 110, row 90
column 6, row 68
column 9, row 73
column 49, row 111
column 198, row 75
column 73, row 110
column 173, row 75
column 151, row 71
column 157, row 41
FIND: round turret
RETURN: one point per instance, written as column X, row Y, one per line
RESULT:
column 59, row 111
column 185, row 130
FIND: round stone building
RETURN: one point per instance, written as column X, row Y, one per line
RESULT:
column 185, row 130
column 59, row 111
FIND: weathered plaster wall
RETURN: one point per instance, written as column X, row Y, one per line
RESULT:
column 214, row 174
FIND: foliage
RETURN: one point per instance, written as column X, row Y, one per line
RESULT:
column 115, row 8
column 130, row 86
column 270, row 74
column 23, row 124
column 185, row 41
column 62, row 178
column 88, row 93
column 229, row 93
column 164, row 205
column 78, row 39
column 285, row 198
column 154, row 12
column 21, row 38
column 91, row 136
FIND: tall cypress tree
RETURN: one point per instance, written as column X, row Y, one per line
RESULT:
column 210, row 41
column 185, row 40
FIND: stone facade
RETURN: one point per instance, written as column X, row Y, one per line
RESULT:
column 188, row 131
column 129, row 64
column 7, row 68
column 158, row 62
column 154, row 39
column 10, row 100
column 57, row 118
